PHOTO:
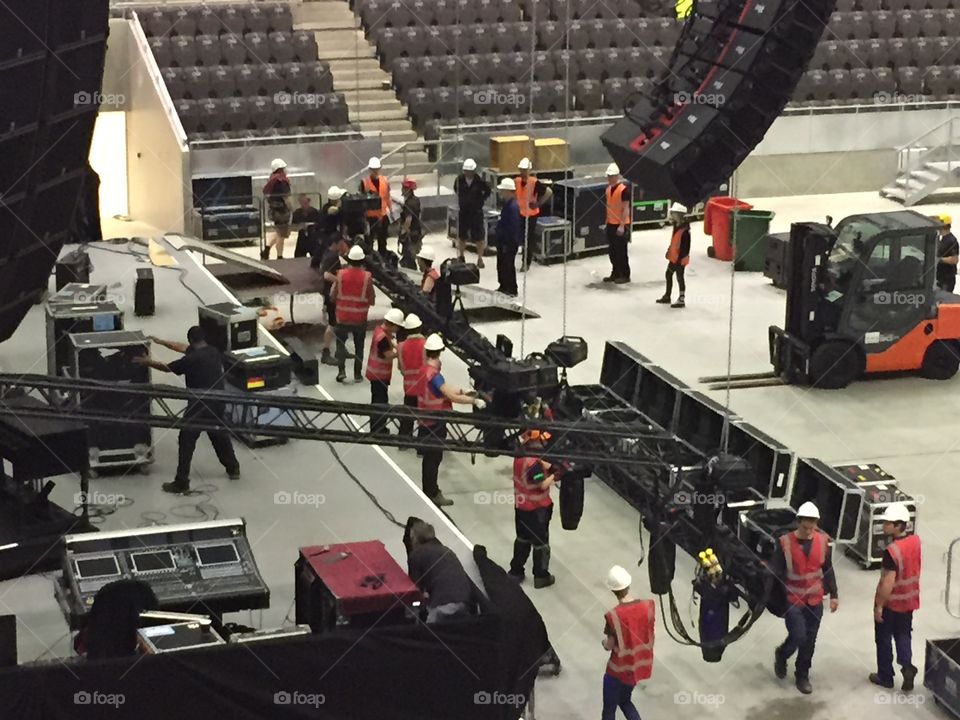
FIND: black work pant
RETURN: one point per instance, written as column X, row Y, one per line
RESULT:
column 220, row 439
column 410, row 246
column 507, row 269
column 343, row 332
column 431, row 460
column 533, row 533
column 675, row 269
column 896, row 628
column 803, row 624
column 406, row 424
column 617, row 250
column 528, row 240
column 378, row 232
column 947, row 283
column 378, row 396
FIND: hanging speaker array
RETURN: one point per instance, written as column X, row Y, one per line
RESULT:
column 734, row 68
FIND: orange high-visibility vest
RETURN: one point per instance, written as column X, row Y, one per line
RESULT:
column 526, row 194
column 673, row 252
column 428, row 401
column 906, row 589
column 804, row 581
column 381, row 188
column 632, row 624
column 411, row 360
column 526, row 496
column 618, row 209
column 378, row 368
column 352, row 303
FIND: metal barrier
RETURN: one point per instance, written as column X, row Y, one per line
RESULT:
column 954, row 611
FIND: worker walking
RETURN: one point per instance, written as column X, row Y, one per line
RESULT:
column 411, row 229
column 472, row 193
column 533, row 509
column 628, row 635
column 619, row 222
column 532, row 195
column 948, row 254
column 410, row 361
column 353, row 297
column 804, row 564
column 429, row 274
column 436, row 396
column 678, row 254
column 378, row 220
column 383, row 349
column 508, row 238
column 898, row 595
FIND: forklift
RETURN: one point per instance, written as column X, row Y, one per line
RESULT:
column 862, row 299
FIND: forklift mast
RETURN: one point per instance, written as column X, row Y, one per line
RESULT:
column 810, row 246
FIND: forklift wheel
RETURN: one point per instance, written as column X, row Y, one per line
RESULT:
column 941, row 360
column 834, row 365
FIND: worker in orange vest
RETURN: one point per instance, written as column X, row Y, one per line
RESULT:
column 628, row 635
column 353, row 296
column 378, row 221
column 383, row 350
column 533, row 509
column 619, row 223
column 804, row 565
column 532, row 195
column 410, row 361
column 678, row 254
column 898, row 595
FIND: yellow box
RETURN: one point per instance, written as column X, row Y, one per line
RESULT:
column 551, row 154
column 508, row 150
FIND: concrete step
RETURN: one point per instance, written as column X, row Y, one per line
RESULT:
column 340, row 40
column 352, row 64
column 893, row 193
column 345, row 54
column 927, row 176
column 388, row 125
column 370, row 115
column 313, row 15
column 387, row 135
column 374, row 104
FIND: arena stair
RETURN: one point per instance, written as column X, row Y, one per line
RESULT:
column 931, row 164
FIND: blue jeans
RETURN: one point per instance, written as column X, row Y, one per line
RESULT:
column 898, row 627
column 803, row 624
column 617, row 695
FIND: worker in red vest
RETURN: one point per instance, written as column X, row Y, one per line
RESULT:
column 678, row 254
column 532, row 195
column 619, row 222
column 378, row 221
column 429, row 274
column 353, row 296
column 898, row 595
column 410, row 363
column 437, row 395
column 804, row 565
column 533, row 509
column 628, row 635
column 383, row 349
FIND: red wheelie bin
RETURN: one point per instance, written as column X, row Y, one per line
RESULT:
column 717, row 219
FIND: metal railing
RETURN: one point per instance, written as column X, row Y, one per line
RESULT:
column 938, row 144
column 954, row 611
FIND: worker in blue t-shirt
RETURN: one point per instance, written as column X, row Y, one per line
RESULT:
column 508, row 238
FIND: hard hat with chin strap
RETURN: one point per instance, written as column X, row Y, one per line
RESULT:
column 434, row 343
column 394, row 316
column 618, row 578
column 897, row 512
column 808, row 510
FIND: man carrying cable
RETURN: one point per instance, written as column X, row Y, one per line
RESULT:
column 533, row 509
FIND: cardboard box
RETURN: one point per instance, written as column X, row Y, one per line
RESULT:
column 551, row 154
column 508, row 150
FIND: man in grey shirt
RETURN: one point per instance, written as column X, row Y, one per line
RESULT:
column 437, row 571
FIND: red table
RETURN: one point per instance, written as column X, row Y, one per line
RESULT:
column 342, row 568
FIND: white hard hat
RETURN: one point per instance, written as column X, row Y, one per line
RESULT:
column 618, row 578
column 413, row 321
column 335, row 193
column 678, row 208
column 808, row 510
column 507, row 184
column 356, row 254
column 613, row 169
column 469, row 164
column 427, row 253
column 434, row 342
column 374, row 164
column 394, row 316
column 277, row 164
column 524, row 164
column 897, row 512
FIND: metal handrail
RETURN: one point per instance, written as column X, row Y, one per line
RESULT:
column 273, row 138
column 924, row 134
column 946, row 593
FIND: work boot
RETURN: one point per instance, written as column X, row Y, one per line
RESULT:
column 679, row 303
column 233, row 474
column 877, row 680
column 440, row 501
column 357, row 376
column 327, row 358
column 177, row 487
column 480, row 262
column 665, row 300
column 265, row 253
column 621, row 281
column 909, row 673
column 609, row 279
column 779, row 664
column 517, row 576
column 544, row 581
column 342, row 376
column 541, row 567
column 803, row 685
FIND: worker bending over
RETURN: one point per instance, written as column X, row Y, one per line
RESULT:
column 383, row 349
column 440, row 576
column 410, row 360
column 678, row 254
column 533, row 509
column 628, row 635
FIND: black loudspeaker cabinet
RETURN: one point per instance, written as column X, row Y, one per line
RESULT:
column 8, row 641
column 144, row 298
column 776, row 261
column 74, row 267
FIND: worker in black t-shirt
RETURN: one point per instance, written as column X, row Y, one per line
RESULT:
column 332, row 228
column 438, row 573
column 472, row 193
column 411, row 230
column 331, row 261
column 307, row 218
column 202, row 370
column 948, row 253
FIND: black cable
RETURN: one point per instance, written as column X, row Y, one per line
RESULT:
column 373, row 498
column 181, row 271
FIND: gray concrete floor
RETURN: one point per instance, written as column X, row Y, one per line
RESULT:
column 907, row 425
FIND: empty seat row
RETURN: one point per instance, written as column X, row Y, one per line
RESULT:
column 210, row 50
column 888, row 24
column 879, row 86
column 895, row 5
column 259, row 113
column 217, row 19
column 893, row 53
column 278, row 134
column 247, row 80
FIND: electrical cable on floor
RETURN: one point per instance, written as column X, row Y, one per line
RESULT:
column 181, row 271
column 373, row 498
column 97, row 513
column 152, row 518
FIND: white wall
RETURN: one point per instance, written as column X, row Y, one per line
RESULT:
column 108, row 157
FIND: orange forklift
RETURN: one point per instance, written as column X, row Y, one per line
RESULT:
column 862, row 299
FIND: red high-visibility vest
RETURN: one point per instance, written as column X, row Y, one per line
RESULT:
column 526, row 194
column 352, row 303
column 378, row 368
column 906, row 589
column 428, row 400
column 411, row 360
column 526, row 496
column 381, row 188
column 632, row 624
column 804, row 581
column 618, row 209
column 673, row 252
